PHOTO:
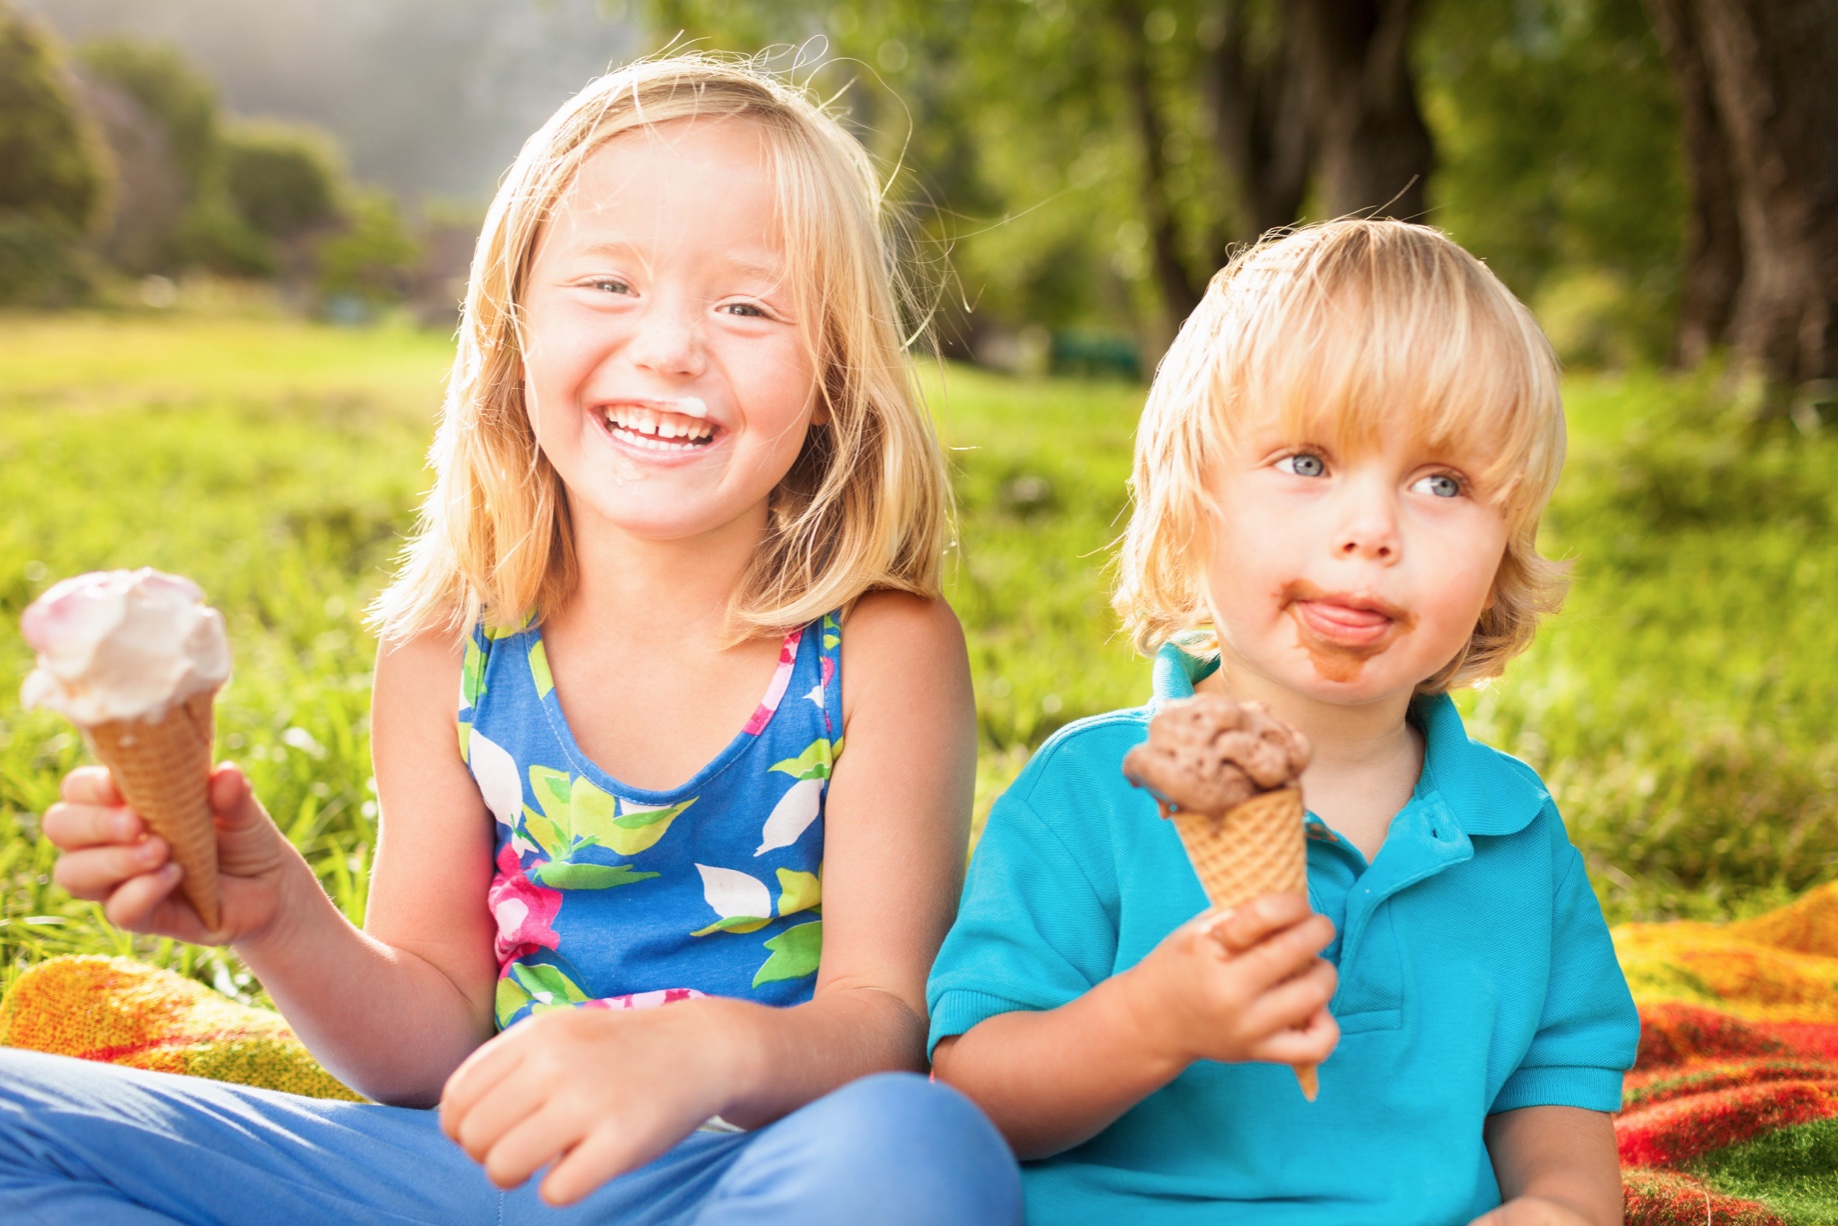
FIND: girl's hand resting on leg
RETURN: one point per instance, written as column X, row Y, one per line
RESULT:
column 591, row 1093
column 110, row 857
column 1244, row 984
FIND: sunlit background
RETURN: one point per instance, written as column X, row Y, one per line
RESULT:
column 233, row 237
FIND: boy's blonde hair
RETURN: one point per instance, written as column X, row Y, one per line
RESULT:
column 867, row 501
column 1341, row 331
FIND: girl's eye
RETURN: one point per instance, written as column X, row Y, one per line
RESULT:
column 1440, row 485
column 610, row 285
column 745, row 309
column 1303, row 464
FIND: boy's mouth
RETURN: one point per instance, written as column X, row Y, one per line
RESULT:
column 1341, row 631
column 650, row 426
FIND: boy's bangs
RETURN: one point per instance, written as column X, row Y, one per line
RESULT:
column 1348, row 360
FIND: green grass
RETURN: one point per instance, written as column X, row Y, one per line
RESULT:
column 1679, row 705
column 1794, row 1171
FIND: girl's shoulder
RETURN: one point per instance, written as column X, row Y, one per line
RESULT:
column 895, row 639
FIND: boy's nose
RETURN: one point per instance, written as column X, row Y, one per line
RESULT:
column 1369, row 531
column 668, row 341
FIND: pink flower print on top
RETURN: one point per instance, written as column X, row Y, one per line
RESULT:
column 524, row 910
column 644, row 1000
column 781, row 678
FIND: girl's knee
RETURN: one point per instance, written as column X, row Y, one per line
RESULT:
column 921, row 1150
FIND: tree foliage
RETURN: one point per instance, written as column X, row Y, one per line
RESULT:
column 282, row 178
column 55, row 166
column 171, row 90
column 1558, row 134
column 1093, row 160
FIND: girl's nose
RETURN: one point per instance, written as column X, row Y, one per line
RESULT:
column 668, row 341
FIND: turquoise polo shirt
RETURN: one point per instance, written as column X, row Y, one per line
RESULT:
column 1476, row 976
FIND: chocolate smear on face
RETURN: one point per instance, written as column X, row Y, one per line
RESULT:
column 1341, row 662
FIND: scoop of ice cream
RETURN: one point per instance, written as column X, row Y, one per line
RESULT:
column 1208, row 754
column 122, row 644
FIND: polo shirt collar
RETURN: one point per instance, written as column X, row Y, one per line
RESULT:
column 1484, row 790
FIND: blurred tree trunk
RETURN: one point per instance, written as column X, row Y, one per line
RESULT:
column 1180, row 289
column 1373, row 150
column 1262, row 120
column 1713, row 235
column 1769, row 71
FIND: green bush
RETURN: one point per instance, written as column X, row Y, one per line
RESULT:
column 171, row 90
column 282, row 178
column 213, row 235
column 55, row 165
column 374, row 259
column 40, row 263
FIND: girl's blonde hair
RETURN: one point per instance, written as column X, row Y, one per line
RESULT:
column 1342, row 331
column 865, row 505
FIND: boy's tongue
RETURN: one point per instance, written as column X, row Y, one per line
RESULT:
column 1342, row 622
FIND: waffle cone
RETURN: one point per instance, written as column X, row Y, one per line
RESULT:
column 1252, row 849
column 163, row 768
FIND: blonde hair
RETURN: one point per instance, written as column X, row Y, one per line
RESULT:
column 1341, row 331
column 865, row 505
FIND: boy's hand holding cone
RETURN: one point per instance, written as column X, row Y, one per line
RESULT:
column 135, row 659
column 1229, row 774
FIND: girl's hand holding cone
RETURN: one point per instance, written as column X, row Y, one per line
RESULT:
column 1244, row 984
column 110, row 857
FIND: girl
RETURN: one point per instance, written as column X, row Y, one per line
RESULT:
column 681, row 466
column 1339, row 476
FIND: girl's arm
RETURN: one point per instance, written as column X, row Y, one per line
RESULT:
column 393, row 1009
column 1557, row 1166
column 895, row 828
column 1243, row 986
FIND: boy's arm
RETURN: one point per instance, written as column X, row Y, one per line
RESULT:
column 1051, row 1079
column 1557, row 1166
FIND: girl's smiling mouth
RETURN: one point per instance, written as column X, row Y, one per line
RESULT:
column 660, row 427
column 1340, row 631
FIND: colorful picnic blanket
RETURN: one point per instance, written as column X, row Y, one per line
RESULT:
column 1729, row 1118
column 1731, row 1114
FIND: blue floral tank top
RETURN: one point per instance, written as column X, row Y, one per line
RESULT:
column 612, row 896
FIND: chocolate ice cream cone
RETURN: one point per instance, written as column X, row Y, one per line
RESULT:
column 163, row 768
column 1255, row 848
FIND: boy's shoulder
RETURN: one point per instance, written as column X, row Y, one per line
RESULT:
column 1084, row 752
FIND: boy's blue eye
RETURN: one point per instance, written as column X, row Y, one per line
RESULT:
column 1441, row 485
column 1303, row 464
column 612, row 285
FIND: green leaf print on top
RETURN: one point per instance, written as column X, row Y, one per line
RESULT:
column 472, row 676
column 546, row 985
column 813, row 763
column 539, row 669
column 578, row 814
column 798, row 891
column 795, row 954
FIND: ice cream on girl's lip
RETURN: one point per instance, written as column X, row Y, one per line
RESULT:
column 120, row 645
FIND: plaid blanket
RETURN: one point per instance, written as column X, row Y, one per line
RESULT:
column 1730, row 1117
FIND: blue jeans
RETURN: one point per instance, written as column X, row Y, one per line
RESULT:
column 97, row 1145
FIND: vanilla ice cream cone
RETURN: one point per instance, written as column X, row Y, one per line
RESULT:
column 163, row 769
column 135, row 659
column 1255, row 848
